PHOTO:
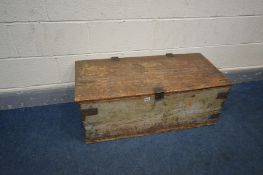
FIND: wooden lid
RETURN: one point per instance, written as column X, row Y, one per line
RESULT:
column 109, row 79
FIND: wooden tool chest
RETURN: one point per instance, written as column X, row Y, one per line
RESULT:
column 135, row 96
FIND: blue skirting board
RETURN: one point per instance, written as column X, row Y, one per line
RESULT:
column 49, row 140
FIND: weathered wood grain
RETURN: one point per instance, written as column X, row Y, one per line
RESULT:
column 137, row 96
column 143, row 115
column 157, row 130
column 138, row 76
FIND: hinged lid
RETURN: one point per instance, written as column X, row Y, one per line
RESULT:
column 109, row 79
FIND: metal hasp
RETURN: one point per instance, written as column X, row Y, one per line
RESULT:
column 158, row 93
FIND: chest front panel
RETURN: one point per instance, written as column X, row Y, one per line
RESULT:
column 144, row 115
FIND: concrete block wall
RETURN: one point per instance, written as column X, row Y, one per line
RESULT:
column 41, row 39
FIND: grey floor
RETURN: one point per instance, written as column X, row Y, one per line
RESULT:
column 49, row 140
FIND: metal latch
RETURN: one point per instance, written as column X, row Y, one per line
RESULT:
column 115, row 58
column 158, row 93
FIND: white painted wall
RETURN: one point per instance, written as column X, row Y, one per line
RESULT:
column 41, row 39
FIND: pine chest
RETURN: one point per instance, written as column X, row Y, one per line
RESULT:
column 135, row 96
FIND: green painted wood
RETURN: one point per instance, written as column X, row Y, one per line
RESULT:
column 144, row 115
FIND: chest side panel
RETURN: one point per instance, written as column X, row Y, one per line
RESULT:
column 144, row 115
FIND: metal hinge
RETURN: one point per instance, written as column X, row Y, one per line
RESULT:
column 169, row 54
column 115, row 58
